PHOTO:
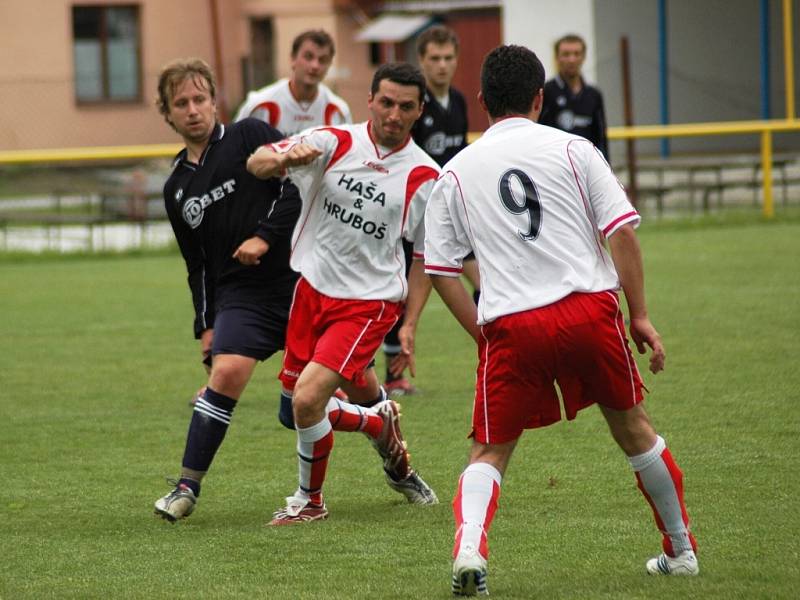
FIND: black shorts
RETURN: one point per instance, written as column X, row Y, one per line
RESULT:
column 257, row 331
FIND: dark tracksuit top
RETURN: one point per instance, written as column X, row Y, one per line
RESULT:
column 214, row 206
column 442, row 133
column 582, row 113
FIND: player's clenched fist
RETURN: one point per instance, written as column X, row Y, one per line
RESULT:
column 301, row 154
column 251, row 250
column 267, row 162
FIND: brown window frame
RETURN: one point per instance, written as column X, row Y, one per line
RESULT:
column 105, row 76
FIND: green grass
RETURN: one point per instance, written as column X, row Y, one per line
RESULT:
column 98, row 364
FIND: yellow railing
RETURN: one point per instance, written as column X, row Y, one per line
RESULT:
column 88, row 153
column 764, row 128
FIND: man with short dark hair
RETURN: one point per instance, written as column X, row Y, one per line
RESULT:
column 364, row 189
column 442, row 132
column 234, row 236
column 570, row 104
column 442, row 129
column 301, row 101
column 538, row 206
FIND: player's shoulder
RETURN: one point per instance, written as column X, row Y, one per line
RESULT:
column 332, row 98
column 419, row 157
column 518, row 136
column 337, row 138
column 248, row 124
column 469, row 160
column 273, row 91
column 556, row 140
column 252, row 131
column 593, row 90
column 339, row 130
column 270, row 91
column 552, row 85
column 456, row 94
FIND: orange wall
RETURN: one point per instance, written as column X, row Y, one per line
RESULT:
column 37, row 72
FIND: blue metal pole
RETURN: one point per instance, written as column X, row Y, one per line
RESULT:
column 766, row 111
column 663, row 68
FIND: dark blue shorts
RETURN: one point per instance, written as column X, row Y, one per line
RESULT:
column 256, row 331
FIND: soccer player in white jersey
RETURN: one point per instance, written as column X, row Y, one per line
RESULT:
column 291, row 106
column 538, row 206
column 364, row 189
column 302, row 101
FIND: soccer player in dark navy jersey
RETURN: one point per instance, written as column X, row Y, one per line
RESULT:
column 234, row 232
column 441, row 131
column 570, row 104
column 210, row 207
column 220, row 215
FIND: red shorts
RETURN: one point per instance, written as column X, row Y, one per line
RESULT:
column 342, row 335
column 578, row 342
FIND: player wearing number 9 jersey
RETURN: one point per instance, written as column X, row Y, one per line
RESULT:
column 545, row 187
column 538, row 207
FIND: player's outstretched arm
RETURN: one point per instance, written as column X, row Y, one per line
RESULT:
column 266, row 162
column 627, row 256
column 459, row 301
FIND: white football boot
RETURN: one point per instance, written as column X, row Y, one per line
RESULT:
column 178, row 504
column 683, row 564
column 469, row 573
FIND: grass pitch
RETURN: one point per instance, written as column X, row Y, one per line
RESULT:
column 99, row 363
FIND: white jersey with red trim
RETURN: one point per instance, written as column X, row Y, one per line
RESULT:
column 535, row 204
column 276, row 105
column 359, row 201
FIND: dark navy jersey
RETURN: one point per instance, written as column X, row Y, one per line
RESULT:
column 214, row 206
column 582, row 113
column 442, row 132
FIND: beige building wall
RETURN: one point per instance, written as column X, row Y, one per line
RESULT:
column 353, row 70
column 39, row 109
column 37, row 72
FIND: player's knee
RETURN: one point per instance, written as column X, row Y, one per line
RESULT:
column 228, row 376
column 285, row 414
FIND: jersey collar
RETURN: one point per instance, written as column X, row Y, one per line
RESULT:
column 504, row 123
column 216, row 135
column 377, row 148
column 564, row 87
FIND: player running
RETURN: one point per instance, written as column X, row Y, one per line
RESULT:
column 364, row 188
column 219, row 212
column 293, row 105
column 537, row 206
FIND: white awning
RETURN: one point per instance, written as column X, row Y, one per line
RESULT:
column 393, row 28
